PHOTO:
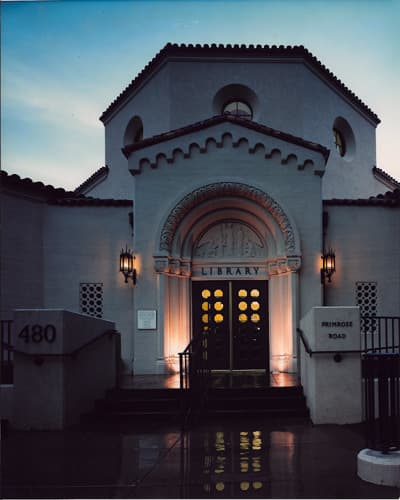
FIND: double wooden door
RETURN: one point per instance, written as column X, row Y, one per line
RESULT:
column 235, row 315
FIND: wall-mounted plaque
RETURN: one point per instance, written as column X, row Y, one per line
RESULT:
column 147, row 319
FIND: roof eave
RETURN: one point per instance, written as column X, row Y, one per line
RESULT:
column 215, row 120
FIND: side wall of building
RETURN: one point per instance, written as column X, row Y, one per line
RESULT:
column 366, row 240
column 21, row 252
column 82, row 246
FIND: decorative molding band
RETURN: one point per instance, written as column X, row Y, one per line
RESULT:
column 283, row 265
column 228, row 189
column 172, row 267
column 226, row 140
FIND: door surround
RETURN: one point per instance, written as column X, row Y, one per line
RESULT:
column 177, row 261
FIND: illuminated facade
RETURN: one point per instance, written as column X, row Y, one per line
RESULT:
column 228, row 172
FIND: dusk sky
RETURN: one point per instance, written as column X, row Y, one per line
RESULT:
column 62, row 63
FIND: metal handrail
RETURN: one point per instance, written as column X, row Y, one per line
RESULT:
column 380, row 333
column 190, row 349
column 194, row 375
column 310, row 352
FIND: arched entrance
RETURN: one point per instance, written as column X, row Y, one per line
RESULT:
column 231, row 239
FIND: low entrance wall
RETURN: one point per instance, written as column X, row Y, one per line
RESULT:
column 331, row 364
column 63, row 362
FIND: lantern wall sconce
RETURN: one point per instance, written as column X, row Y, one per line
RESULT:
column 127, row 265
column 328, row 265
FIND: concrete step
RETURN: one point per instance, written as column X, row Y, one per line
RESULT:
column 128, row 405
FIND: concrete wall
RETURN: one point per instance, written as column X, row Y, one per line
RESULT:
column 332, row 389
column 82, row 245
column 366, row 240
column 21, row 251
column 51, row 387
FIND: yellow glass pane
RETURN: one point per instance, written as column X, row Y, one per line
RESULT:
column 257, row 485
column 205, row 328
column 255, row 318
column 204, row 318
column 255, row 293
column 218, row 306
column 242, row 305
column 218, row 318
column 205, row 293
column 218, row 293
column 255, row 306
column 242, row 293
column 205, row 306
column 244, row 485
column 243, row 318
column 220, row 486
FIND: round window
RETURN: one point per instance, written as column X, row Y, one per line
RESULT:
column 238, row 108
column 343, row 138
column 339, row 142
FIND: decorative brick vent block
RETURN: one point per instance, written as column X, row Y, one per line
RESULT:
column 367, row 297
column 91, row 299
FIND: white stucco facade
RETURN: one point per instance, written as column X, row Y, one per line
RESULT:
column 203, row 197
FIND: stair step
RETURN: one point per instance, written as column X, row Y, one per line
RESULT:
column 280, row 403
column 127, row 405
column 271, row 412
column 143, row 393
column 136, row 405
column 282, row 392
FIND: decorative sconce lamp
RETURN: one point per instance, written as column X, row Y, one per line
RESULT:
column 127, row 265
column 328, row 265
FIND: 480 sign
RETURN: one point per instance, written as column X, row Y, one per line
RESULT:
column 38, row 333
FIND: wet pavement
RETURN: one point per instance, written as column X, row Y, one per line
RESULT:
column 247, row 458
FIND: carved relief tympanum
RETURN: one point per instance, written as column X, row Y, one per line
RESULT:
column 229, row 239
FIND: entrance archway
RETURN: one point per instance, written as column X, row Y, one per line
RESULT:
column 229, row 232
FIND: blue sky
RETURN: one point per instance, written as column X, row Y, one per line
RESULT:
column 63, row 62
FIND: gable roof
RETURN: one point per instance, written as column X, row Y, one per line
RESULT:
column 248, row 51
column 215, row 120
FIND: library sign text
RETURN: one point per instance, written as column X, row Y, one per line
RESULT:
column 230, row 271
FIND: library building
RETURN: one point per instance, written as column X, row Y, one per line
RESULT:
column 240, row 236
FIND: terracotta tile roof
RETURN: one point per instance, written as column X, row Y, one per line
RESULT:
column 215, row 120
column 56, row 196
column 88, row 201
column 35, row 187
column 378, row 172
column 389, row 199
column 101, row 172
column 255, row 51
